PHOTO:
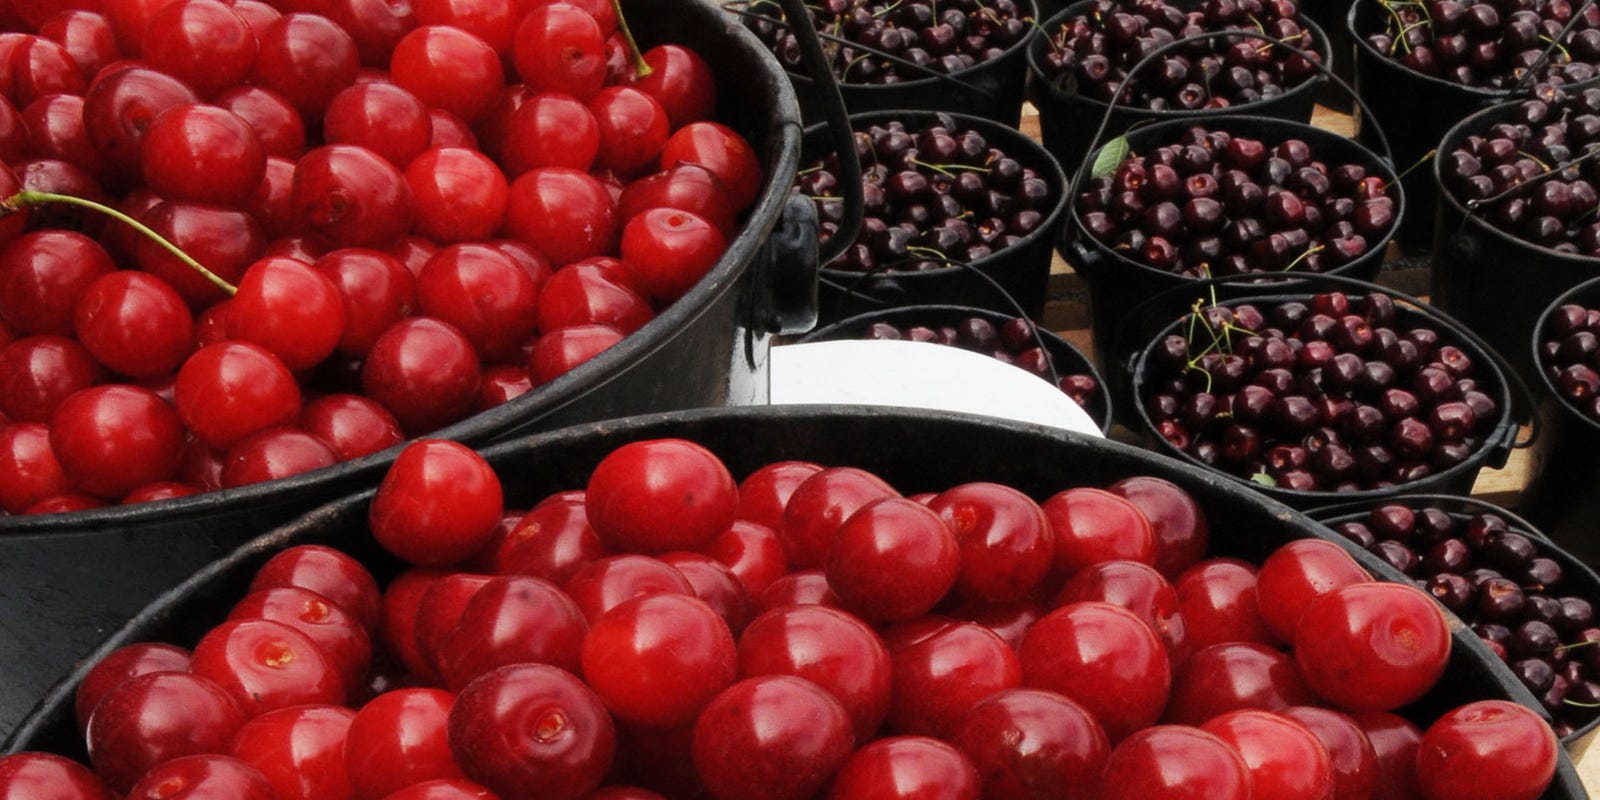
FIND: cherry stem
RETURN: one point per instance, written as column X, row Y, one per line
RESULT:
column 1419, row 162
column 640, row 68
column 1297, row 259
column 28, row 197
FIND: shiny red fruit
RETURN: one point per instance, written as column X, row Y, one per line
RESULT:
column 660, row 495
column 439, row 503
column 532, row 730
column 1372, row 646
column 1487, row 749
column 773, row 737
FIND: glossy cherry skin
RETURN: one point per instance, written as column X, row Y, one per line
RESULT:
column 1285, row 760
column 43, row 273
column 1174, row 762
column 681, row 81
column 273, row 454
column 225, row 240
column 397, row 739
column 443, row 789
column 892, row 560
column 1372, row 646
column 307, row 58
column 906, row 767
column 723, row 151
column 46, row 776
column 266, row 665
column 114, row 438
column 381, row 117
column 484, row 294
column 335, row 631
column 549, row 130
column 460, row 195
column 424, row 371
column 328, row 572
column 658, row 659
column 376, row 290
column 299, row 750
column 1030, row 744
column 351, row 196
column 688, row 187
column 1230, row 676
column 128, row 661
column 716, row 584
column 438, row 503
column 290, row 308
column 940, row 674
column 119, row 106
column 1007, row 547
column 604, row 584
column 584, row 293
column 560, row 48
column 232, row 389
column 1217, row 599
column 1138, row 588
column 134, row 324
column 38, row 372
column 552, row 541
column 532, row 730
column 202, row 154
column 562, row 350
column 753, row 553
column 1487, row 748
column 1394, row 742
column 1297, row 573
column 660, row 495
column 448, row 68
column 203, row 777
column 819, row 505
column 512, row 619
column 564, row 213
column 351, row 425
column 156, row 717
column 1180, row 529
column 1103, row 657
column 828, row 647
column 633, row 126
column 203, row 43
column 1349, row 751
column 1093, row 525
column 772, row 737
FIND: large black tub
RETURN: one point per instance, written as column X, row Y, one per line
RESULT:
column 915, row 451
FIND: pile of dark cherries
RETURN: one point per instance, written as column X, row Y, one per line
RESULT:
column 1491, row 44
column 1569, row 351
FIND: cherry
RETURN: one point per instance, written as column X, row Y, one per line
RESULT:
column 1138, row 588
column 398, row 739
column 552, row 541
column 764, row 493
column 382, row 117
column 38, row 372
column 904, row 767
column 1103, row 657
column 1508, row 747
column 716, row 584
column 122, row 664
column 659, row 659
column 940, row 676
column 277, row 123
column 156, row 717
column 563, row 213
column 134, row 324
column 1007, row 546
column 203, row 154
column 633, row 127
column 723, row 151
column 352, row 196
column 327, row 572
column 1296, row 574
column 660, row 495
column 443, row 789
column 560, row 48
column 1230, row 676
column 484, row 294
column 1093, row 525
column 225, row 241
column 667, row 251
column 29, row 471
column 1175, row 761
column 449, row 68
column 1393, row 635
column 532, row 729
column 438, row 503
column 351, row 425
column 585, row 293
column 550, row 130
column 1349, row 750
column 42, row 275
column 459, row 194
column 307, row 59
column 828, row 647
column 230, row 390
column 1029, row 743
column 1179, row 526
column 681, row 81
column 203, row 776
column 375, row 25
column 560, row 351
column 300, row 751
column 771, row 737
column 265, row 665
column 606, row 583
column 86, row 35
column 891, row 560
column 334, row 631
column 204, row 43
column 688, row 187
column 512, row 620
column 376, row 291
column 424, row 371
column 1217, row 599
column 31, row 775
column 113, row 438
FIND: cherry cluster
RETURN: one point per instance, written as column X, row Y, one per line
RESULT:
column 936, row 36
column 1495, row 579
column 1491, row 44
column 1093, row 53
column 409, row 213
column 1569, row 350
column 1540, row 169
column 932, row 197
column 1014, row 342
column 1213, row 203
column 1335, row 394
column 808, row 632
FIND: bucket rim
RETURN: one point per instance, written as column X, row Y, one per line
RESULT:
column 988, row 127
column 1074, row 231
column 1583, row 293
column 1040, row 83
column 1305, row 499
column 783, row 122
column 1478, row 121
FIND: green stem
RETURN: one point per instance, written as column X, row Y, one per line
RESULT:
column 640, row 69
column 28, row 197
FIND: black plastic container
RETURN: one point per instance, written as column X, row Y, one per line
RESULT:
column 1067, row 120
column 992, row 89
column 1021, row 271
column 1577, row 578
column 914, row 451
column 1563, row 494
column 1414, row 110
column 1409, row 313
column 1118, row 284
column 1066, row 359
column 1489, row 279
column 707, row 349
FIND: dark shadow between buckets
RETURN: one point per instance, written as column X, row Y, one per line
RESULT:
column 991, row 89
column 1563, row 494
column 1491, row 280
column 1577, row 579
column 914, row 451
column 1009, row 278
column 1067, row 118
column 1064, row 359
column 708, row 349
column 1494, row 438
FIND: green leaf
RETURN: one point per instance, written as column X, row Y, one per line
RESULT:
column 1264, row 479
column 1109, row 157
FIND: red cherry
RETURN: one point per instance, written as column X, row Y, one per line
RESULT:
column 1138, row 588
column 376, row 291
column 723, row 151
column 667, row 251
column 38, row 372
column 1394, row 743
column 40, row 67
column 307, row 59
column 1234, row 675
column 714, row 583
column 532, row 730
column 1093, row 525
column 448, row 68
column 1174, row 762
column 940, row 676
column 438, row 503
column 229, row 390
column 382, row 117
column 55, row 128
column 892, row 560
column 484, row 294
column 1284, row 759
column 773, row 737
column 1007, row 546
column 1484, row 749
column 1372, row 646
column 560, row 48
column 225, row 241
column 399, row 739
column 550, row 130
column 1029, row 744
column 1349, row 750
column 1103, row 657
column 29, row 471
column 682, row 82
column 828, row 647
column 660, row 495
column 903, row 768
column 328, row 572
column 1217, row 599
column 202, row 153
column 277, row 123
column 204, row 43
column 584, row 293
column 86, row 35
column 438, row 614
column 335, row 631
column 563, row 213
column 633, row 128
column 352, row 196
column 114, row 438
column 688, row 187
column 424, row 371
column 819, row 505
column 376, row 25
column 203, row 776
column 42, row 274
column 402, row 600
column 658, row 659
column 1296, row 574
column 512, row 619
column 134, row 323
column 559, row 351
column 300, row 751
column 604, row 584
column 156, row 717
column 124, row 663
column 24, row 776
column 552, row 541
column 801, row 587
column 265, row 665
column 460, row 195
column 1175, row 518
column 156, row 492
column 352, row 425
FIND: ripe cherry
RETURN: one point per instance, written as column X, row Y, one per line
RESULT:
column 1284, row 759
column 660, row 495
column 204, row 43
column 1093, row 525
column 1484, row 749
column 300, row 750
column 307, row 59
column 1029, row 744
column 1296, row 574
column 42, row 275
column 560, row 48
column 892, row 560
column 229, row 390
column 512, row 619
column 203, row 776
column 352, row 196
column 1007, row 546
column 771, row 737
column 721, row 150
column 459, row 194
column 764, row 492
column 424, row 371
column 667, row 251
column 906, row 767
column 1103, row 657
column 942, row 673
column 1181, row 534
column 202, row 154
column 552, row 541
column 449, row 68
column 398, row 739
column 563, row 213
column 352, row 425
column 438, row 503
column 31, row 775
column 38, row 372
column 134, row 324
column 376, row 291
column 29, row 471
column 484, row 294
column 532, row 729
column 113, row 438
column 658, row 659
column 382, row 117
column 550, row 130
column 1174, row 762
column 266, row 665
column 633, row 127
column 334, row 631
column 157, row 717
column 328, row 572
column 1372, row 646
column 682, row 82
column 289, row 308
column 819, row 505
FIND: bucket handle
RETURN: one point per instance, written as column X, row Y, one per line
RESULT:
column 1504, row 440
column 1555, row 43
column 1324, row 513
column 1105, row 120
column 838, row 118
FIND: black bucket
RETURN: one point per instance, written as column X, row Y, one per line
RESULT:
column 1489, row 279
column 1007, row 280
column 1064, row 358
column 1118, row 284
column 1409, row 313
column 992, row 89
column 707, row 349
column 1563, row 492
column 1577, row 578
column 1414, row 110
column 1067, row 120
column 914, row 451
